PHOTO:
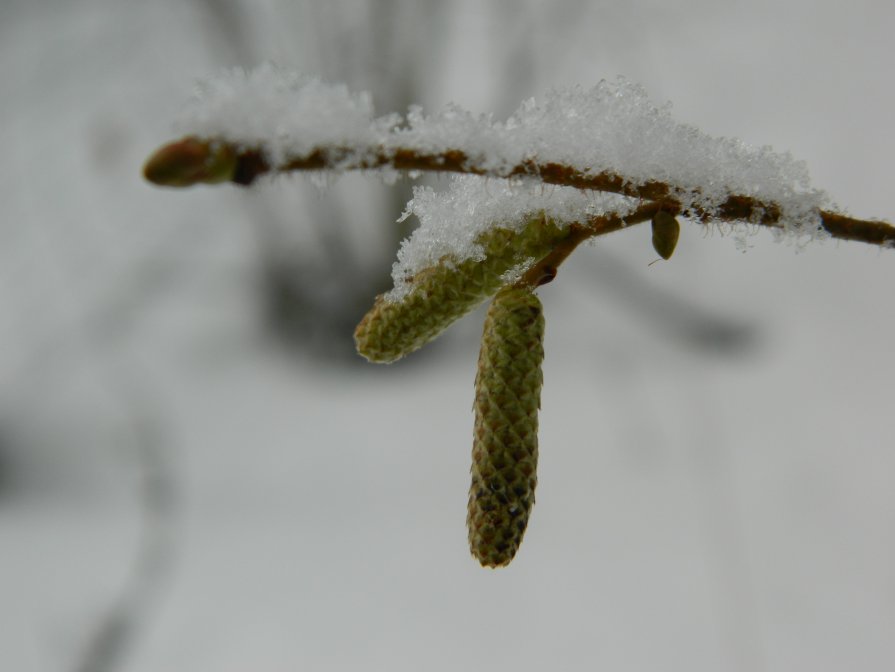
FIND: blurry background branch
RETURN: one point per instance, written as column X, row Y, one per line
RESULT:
column 117, row 630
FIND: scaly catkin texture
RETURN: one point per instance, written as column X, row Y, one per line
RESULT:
column 447, row 291
column 505, row 442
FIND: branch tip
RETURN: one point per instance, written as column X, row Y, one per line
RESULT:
column 191, row 161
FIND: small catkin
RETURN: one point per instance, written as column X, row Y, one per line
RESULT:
column 447, row 291
column 665, row 234
column 505, row 440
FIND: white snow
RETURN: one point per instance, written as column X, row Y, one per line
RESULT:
column 451, row 221
column 286, row 113
column 612, row 127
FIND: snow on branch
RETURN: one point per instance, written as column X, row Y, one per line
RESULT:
column 610, row 138
column 576, row 165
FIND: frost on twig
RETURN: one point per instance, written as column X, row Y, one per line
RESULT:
column 610, row 138
column 453, row 221
column 578, row 164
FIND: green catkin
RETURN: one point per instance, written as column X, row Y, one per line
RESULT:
column 665, row 234
column 505, row 440
column 445, row 292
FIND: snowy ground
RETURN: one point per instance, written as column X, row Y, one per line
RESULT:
column 704, row 503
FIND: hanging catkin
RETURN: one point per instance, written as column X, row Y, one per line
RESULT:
column 445, row 292
column 505, row 442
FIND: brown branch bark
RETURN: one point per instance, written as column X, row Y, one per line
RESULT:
column 183, row 163
column 545, row 270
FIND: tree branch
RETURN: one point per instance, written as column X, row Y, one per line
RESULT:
column 545, row 270
column 192, row 161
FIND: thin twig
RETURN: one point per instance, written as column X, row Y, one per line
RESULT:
column 545, row 270
column 192, row 160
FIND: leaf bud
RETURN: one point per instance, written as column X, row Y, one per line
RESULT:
column 665, row 233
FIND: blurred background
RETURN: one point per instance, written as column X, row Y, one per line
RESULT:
column 198, row 473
